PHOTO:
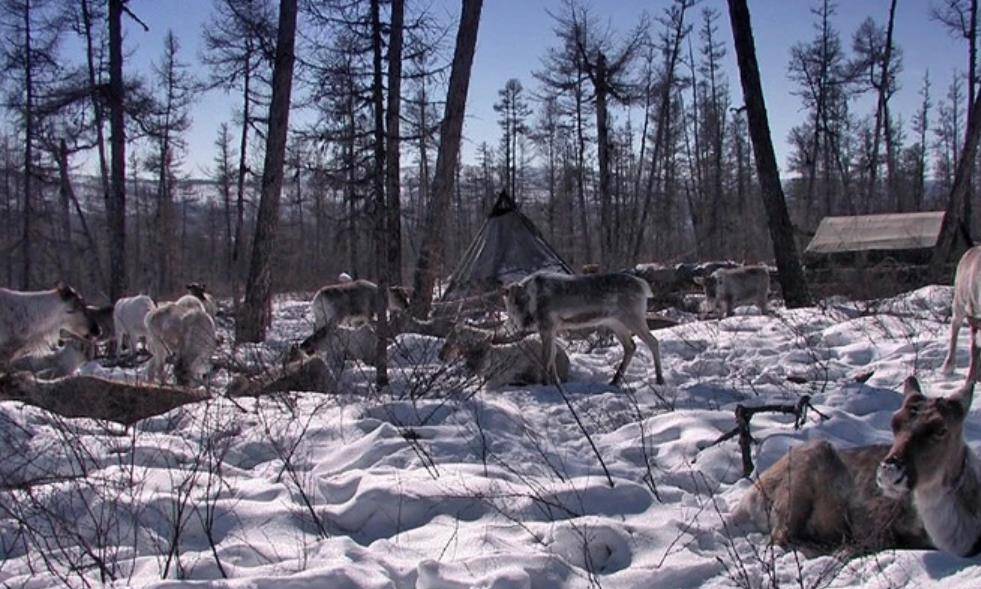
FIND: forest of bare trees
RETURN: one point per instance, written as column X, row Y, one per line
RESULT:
column 342, row 147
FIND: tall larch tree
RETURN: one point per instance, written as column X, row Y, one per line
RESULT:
column 791, row 274
column 451, row 131
column 255, row 313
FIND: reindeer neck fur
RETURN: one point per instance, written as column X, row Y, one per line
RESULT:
column 30, row 319
column 950, row 506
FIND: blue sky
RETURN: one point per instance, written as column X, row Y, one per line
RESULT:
column 514, row 34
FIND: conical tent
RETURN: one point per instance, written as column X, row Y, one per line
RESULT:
column 507, row 248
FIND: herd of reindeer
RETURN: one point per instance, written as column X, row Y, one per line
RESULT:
column 923, row 491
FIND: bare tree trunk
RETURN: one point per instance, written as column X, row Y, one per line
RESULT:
column 451, row 129
column 954, row 221
column 99, row 117
column 603, row 154
column 26, row 243
column 67, row 255
column 254, row 315
column 382, row 268
column 581, row 165
column 116, row 206
column 242, row 158
column 68, row 194
column 663, row 119
column 882, row 109
column 393, row 113
column 972, row 74
column 791, row 276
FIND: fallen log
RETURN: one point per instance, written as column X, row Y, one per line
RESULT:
column 307, row 374
column 96, row 398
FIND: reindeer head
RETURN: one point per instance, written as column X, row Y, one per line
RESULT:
column 197, row 289
column 398, row 298
column 709, row 285
column 517, row 303
column 928, row 435
column 77, row 318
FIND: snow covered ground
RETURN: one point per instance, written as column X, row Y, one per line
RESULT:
column 441, row 484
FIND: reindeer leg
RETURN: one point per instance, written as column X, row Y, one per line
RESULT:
column 624, row 335
column 652, row 344
column 973, row 370
column 548, row 349
column 955, row 326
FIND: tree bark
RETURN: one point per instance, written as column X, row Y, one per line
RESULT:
column 96, row 398
column 116, row 206
column 242, row 158
column 382, row 268
column 791, row 275
column 254, row 315
column 393, row 114
column 28, row 214
column 954, row 222
column 99, row 121
column 451, row 130
column 603, row 155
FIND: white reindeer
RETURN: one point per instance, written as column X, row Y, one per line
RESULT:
column 550, row 303
column 966, row 303
column 128, row 317
column 199, row 291
column 30, row 320
column 728, row 288
column 184, row 333
column 61, row 360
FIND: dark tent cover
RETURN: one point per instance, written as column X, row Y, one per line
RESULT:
column 507, row 248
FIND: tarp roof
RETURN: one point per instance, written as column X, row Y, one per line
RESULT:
column 507, row 248
column 896, row 231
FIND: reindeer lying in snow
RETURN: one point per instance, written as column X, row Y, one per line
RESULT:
column 352, row 303
column 550, row 303
column 514, row 362
column 60, row 361
column 923, row 491
column 29, row 320
column 966, row 303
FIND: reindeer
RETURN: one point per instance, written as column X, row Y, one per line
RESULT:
column 552, row 302
column 61, row 360
column 352, row 303
column 184, row 333
column 924, row 491
column 966, row 303
column 501, row 361
column 31, row 319
column 929, row 461
column 199, row 291
column 728, row 288
column 128, row 318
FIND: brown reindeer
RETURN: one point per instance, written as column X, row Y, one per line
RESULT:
column 923, row 491
column 929, row 461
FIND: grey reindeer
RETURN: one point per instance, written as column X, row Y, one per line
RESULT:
column 550, row 303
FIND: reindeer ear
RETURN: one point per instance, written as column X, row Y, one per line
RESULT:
column 911, row 387
column 964, row 395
